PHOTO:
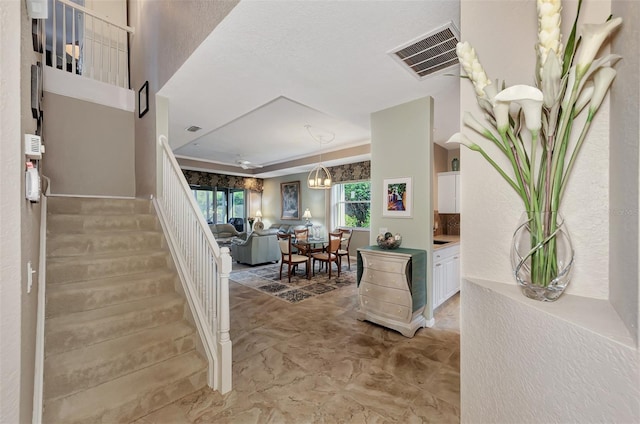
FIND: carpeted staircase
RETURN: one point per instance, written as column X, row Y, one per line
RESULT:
column 118, row 344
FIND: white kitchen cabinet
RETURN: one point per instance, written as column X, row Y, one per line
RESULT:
column 449, row 192
column 446, row 273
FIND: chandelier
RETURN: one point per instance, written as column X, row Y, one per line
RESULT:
column 319, row 177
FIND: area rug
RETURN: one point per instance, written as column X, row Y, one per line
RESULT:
column 266, row 280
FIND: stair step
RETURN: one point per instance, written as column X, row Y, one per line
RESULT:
column 94, row 243
column 101, row 206
column 72, row 331
column 90, row 267
column 132, row 396
column 86, row 367
column 93, row 294
column 75, row 224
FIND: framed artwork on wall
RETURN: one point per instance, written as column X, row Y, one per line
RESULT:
column 143, row 99
column 290, row 194
column 398, row 195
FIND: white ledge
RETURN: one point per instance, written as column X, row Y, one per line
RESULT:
column 78, row 87
column 595, row 315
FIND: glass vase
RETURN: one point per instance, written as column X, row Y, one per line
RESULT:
column 542, row 255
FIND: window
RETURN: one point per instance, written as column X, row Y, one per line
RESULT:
column 352, row 204
column 204, row 199
column 218, row 205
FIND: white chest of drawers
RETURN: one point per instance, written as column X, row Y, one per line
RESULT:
column 392, row 288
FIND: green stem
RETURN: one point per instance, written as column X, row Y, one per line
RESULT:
column 518, row 170
column 574, row 155
column 500, row 171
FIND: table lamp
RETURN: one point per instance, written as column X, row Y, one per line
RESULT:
column 307, row 216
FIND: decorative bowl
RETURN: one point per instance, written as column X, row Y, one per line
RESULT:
column 389, row 241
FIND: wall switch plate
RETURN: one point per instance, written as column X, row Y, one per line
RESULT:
column 30, row 272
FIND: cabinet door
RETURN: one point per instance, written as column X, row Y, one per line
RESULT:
column 447, row 193
column 450, row 275
column 455, row 275
column 439, row 283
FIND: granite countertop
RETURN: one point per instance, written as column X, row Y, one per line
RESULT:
column 453, row 240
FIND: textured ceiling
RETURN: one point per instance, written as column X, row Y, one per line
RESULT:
column 272, row 67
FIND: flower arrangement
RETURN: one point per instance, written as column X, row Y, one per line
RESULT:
column 570, row 81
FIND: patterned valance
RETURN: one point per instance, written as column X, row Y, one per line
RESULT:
column 208, row 179
column 351, row 172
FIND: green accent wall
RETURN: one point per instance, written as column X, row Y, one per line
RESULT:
column 402, row 146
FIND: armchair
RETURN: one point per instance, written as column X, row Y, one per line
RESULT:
column 225, row 233
column 260, row 247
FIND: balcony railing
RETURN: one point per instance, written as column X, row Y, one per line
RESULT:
column 80, row 41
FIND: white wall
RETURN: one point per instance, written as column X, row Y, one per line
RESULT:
column 494, row 207
column 625, row 129
column 167, row 32
column 573, row 360
column 10, row 173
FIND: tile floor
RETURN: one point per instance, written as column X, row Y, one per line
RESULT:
column 314, row 362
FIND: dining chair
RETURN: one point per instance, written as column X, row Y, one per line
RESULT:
column 344, row 245
column 330, row 255
column 291, row 259
column 301, row 237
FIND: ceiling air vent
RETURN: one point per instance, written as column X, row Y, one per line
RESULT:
column 430, row 53
column 193, row 128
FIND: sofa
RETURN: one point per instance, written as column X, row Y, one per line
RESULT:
column 226, row 233
column 285, row 228
column 259, row 247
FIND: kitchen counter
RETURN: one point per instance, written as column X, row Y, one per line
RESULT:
column 453, row 240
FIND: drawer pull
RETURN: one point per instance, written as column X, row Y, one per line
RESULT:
column 455, row 257
column 438, row 264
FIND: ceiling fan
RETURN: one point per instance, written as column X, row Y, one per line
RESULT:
column 245, row 164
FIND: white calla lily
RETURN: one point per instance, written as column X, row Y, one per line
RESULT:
column 459, row 138
column 473, row 123
column 501, row 113
column 530, row 100
column 584, row 98
column 593, row 35
column 601, row 81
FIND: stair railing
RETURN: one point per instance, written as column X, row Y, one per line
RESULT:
column 203, row 266
column 81, row 41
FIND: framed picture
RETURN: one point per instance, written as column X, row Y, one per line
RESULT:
column 143, row 99
column 290, row 193
column 398, row 195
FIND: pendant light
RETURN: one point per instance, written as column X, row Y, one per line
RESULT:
column 319, row 177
